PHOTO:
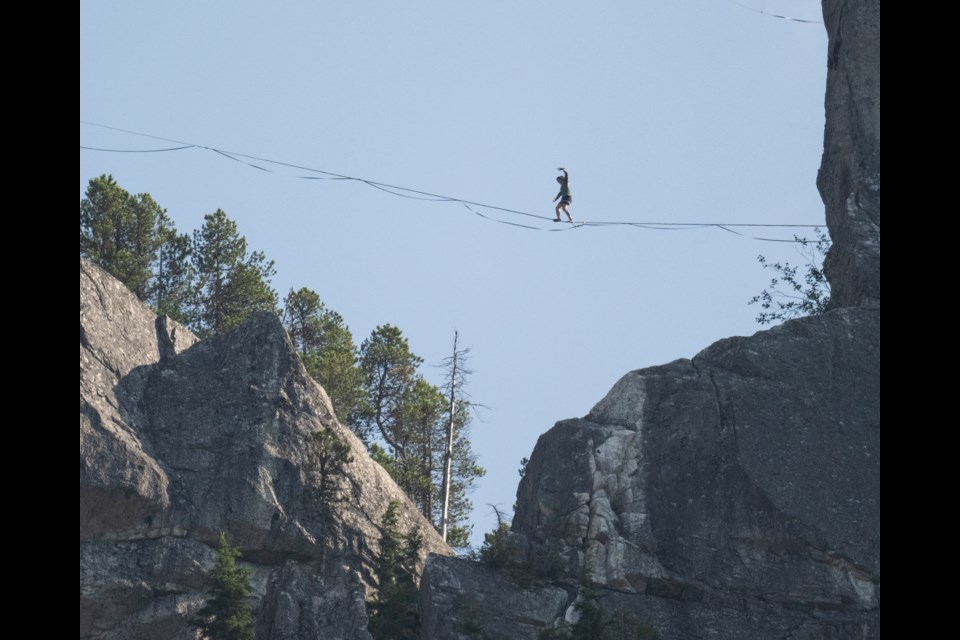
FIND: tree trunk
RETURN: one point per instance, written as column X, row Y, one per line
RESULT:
column 448, row 453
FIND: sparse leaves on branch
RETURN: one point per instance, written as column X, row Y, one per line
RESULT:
column 796, row 290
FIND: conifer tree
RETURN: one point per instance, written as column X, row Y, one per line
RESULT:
column 418, row 466
column 231, row 283
column 465, row 472
column 118, row 232
column 327, row 349
column 393, row 610
column 413, row 417
column 330, row 456
column 389, row 371
column 172, row 291
column 459, row 464
column 227, row 614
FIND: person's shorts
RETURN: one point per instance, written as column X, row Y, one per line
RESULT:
column 566, row 200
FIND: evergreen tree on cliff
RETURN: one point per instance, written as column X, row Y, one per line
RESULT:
column 327, row 349
column 227, row 614
column 231, row 283
column 389, row 371
column 412, row 417
column 118, row 231
column 172, row 289
column 393, row 610
column 464, row 472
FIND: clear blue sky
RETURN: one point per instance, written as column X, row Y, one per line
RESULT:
column 682, row 110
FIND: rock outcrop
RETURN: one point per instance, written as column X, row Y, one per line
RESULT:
column 181, row 439
column 849, row 178
column 735, row 495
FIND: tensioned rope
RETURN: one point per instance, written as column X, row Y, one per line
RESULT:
column 773, row 15
column 416, row 194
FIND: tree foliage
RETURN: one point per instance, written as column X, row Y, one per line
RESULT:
column 466, row 471
column 411, row 416
column 227, row 614
column 327, row 349
column 393, row 610
column 330, row 454
column 210, row 281
column 495, row 551
column 417, row 462
column 232, row 283
column 118, row 231
column 590, row 624
column 172, row 292
column 389, row 369
column 796, row 290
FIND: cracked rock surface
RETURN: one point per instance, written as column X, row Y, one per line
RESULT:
column 735, row 495
column 180, row 440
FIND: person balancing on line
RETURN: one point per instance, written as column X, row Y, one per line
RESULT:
column 564, row 196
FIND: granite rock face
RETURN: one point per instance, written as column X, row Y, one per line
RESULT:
column 180, row 440
column 849, row 178
column 735, row 495
column 464, row 598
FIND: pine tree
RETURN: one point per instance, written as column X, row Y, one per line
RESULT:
column 389, row 371
column 335, row 368
column 302, row 317
column 172, row 290
column 413, row 417
column 231, row 283
column 495, row 552
column 118, row 232
column 465, row 472
column 326, row 347
column 330, row 454
column 418, row 465
column 393, row 610
column 227, row 614
column 459, row 464
column 590, row 624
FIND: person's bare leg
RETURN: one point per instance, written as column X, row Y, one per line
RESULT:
column 557, row 219
column 566, row 211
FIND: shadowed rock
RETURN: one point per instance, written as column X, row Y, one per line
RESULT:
column 180, row 440
column 849, row 178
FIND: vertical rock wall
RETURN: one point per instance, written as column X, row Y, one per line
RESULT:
column 849, row 178
column 180, row 440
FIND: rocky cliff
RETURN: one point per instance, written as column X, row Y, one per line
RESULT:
column 180, row 440
column 735, row 495
column 849, row 178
